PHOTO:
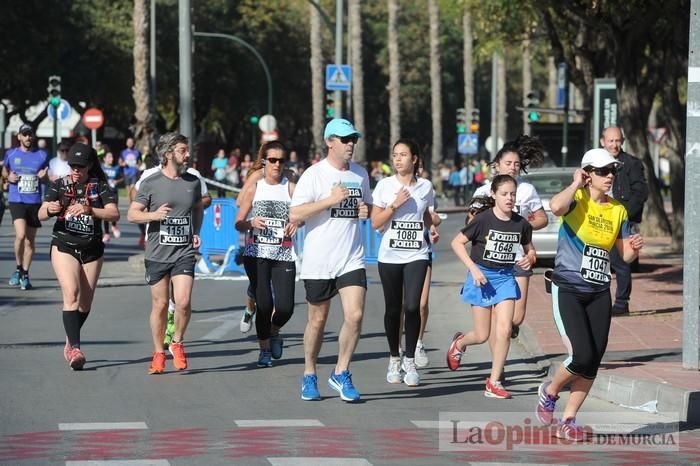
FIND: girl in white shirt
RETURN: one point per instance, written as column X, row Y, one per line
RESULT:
column 401, row 212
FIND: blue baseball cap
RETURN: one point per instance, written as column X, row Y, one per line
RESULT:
column 340, row 127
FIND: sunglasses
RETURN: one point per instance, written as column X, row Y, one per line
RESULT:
column 274, row 160
column 345, row 139
column 76, row 167
column 27, row 135
column 605, row 171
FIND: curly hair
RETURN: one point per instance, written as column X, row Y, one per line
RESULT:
column 529, row 148
column 478, row 205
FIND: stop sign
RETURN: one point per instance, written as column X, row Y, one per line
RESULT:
column 93, row 118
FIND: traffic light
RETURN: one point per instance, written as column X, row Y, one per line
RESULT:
column 533, row 101
column 254, row 119
column 461, row 121
column 474, row 126
column 54, row 90
column 330, row 106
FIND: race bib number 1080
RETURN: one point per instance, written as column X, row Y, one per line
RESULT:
column 406, row 235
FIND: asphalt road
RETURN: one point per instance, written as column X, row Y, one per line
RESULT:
column 224, row 410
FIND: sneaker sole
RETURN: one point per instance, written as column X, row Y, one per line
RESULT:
column 335, row 387
column 307, row 398
column 411, row 384
column 488, row 394
column 394, row 382
column 155, row 372
column 77, row 365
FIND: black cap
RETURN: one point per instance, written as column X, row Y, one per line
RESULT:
column 26, row 129
column 80, row 154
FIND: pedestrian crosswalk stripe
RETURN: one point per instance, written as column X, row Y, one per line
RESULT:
column 432, row 424
column 119, row 463
column 102, row 425
column 279, row 423
column 318, row 461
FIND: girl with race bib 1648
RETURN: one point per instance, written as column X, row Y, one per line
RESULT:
column 496, row 235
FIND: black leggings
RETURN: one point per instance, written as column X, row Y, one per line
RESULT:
column 583, row 321
column 402, row 284
column 277, row 275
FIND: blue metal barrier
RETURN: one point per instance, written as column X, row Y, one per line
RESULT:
column 218, row 234
column 370, row 239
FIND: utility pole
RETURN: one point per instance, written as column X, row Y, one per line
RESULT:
column 691, row 237
column 153, row 60
column 494, row 106
column 338, row 53
column 185, row 62
column 565, row 126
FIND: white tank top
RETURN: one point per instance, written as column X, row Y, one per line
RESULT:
column 271, row 202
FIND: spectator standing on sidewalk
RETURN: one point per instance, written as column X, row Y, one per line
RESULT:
column 115, row 176
column 592, row 225
column 332, row 196
column 58, row 166
column 630, row 189
column 218, row 168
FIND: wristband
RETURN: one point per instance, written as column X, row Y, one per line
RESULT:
column 392, row 207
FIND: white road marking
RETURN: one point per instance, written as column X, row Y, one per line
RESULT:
column 433, row 424
column 222, row 330
column 101, row 425
column 119, row 463
column 319, row 461
column 279, row 423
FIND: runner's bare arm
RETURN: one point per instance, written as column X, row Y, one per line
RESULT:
column 303, row 212
column 206, row 201
column 538, row 219
column 249, row 186
column 137, row 213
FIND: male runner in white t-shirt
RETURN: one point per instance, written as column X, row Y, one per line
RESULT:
column 332, row 196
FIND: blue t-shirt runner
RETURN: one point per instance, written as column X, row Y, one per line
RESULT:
column 27, row 166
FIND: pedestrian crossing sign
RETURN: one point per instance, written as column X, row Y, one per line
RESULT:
column 468, row 143
column 338, row 77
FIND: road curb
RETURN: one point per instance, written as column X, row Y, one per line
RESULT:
column 625, row 391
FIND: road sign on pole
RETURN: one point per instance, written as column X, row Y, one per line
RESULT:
column 468, row 143
column 93, row 118
column 267, row 123
column 64, row 110
column 338, row 77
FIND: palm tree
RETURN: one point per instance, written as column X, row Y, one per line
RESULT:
column 317, row 77
column 394, row 74
column 358, row 99
column 468, row 68
column 143, row 127
column 435, row 86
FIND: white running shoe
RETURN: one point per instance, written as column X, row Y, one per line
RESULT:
column 421, row 357
column 393, row 373
column 247, row 321
column 411, row 378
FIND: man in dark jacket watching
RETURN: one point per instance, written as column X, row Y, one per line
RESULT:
column 630, row 188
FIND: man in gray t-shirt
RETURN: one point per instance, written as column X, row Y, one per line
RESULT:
column 170, row 202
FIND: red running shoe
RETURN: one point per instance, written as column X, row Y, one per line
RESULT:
column 158, row 363
column 454, row 354
column 495, row 390
column 179, row 358
column 77, row 359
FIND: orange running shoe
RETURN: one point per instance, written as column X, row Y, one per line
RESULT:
column 179, row 358
column 158, row 363
column 77, row 359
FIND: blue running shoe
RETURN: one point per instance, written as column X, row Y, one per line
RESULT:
column 24, row 283
column 342, row 383
column 309, row 388
column 276, row 346
column 14, row 278
column 265, row 359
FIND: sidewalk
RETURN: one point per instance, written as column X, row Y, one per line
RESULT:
column 642, row 367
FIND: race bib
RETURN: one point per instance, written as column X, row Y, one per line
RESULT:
column 175, row 231
column 28, row 184
column 81, row 225
column 595, row 265
column 406, row 235
column 131, row 161
column 350, row 207
column 273, row 235
column 501, row 247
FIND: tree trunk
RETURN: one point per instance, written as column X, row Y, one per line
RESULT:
column 468, row 70
column 527, row 81
column 394, row 73
column 674, row 121
column 355, row 26
column 317, row 77
column 143, row 127
column 435, row 88
column 633, row 116
column 502, row 91
column 551, row 88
